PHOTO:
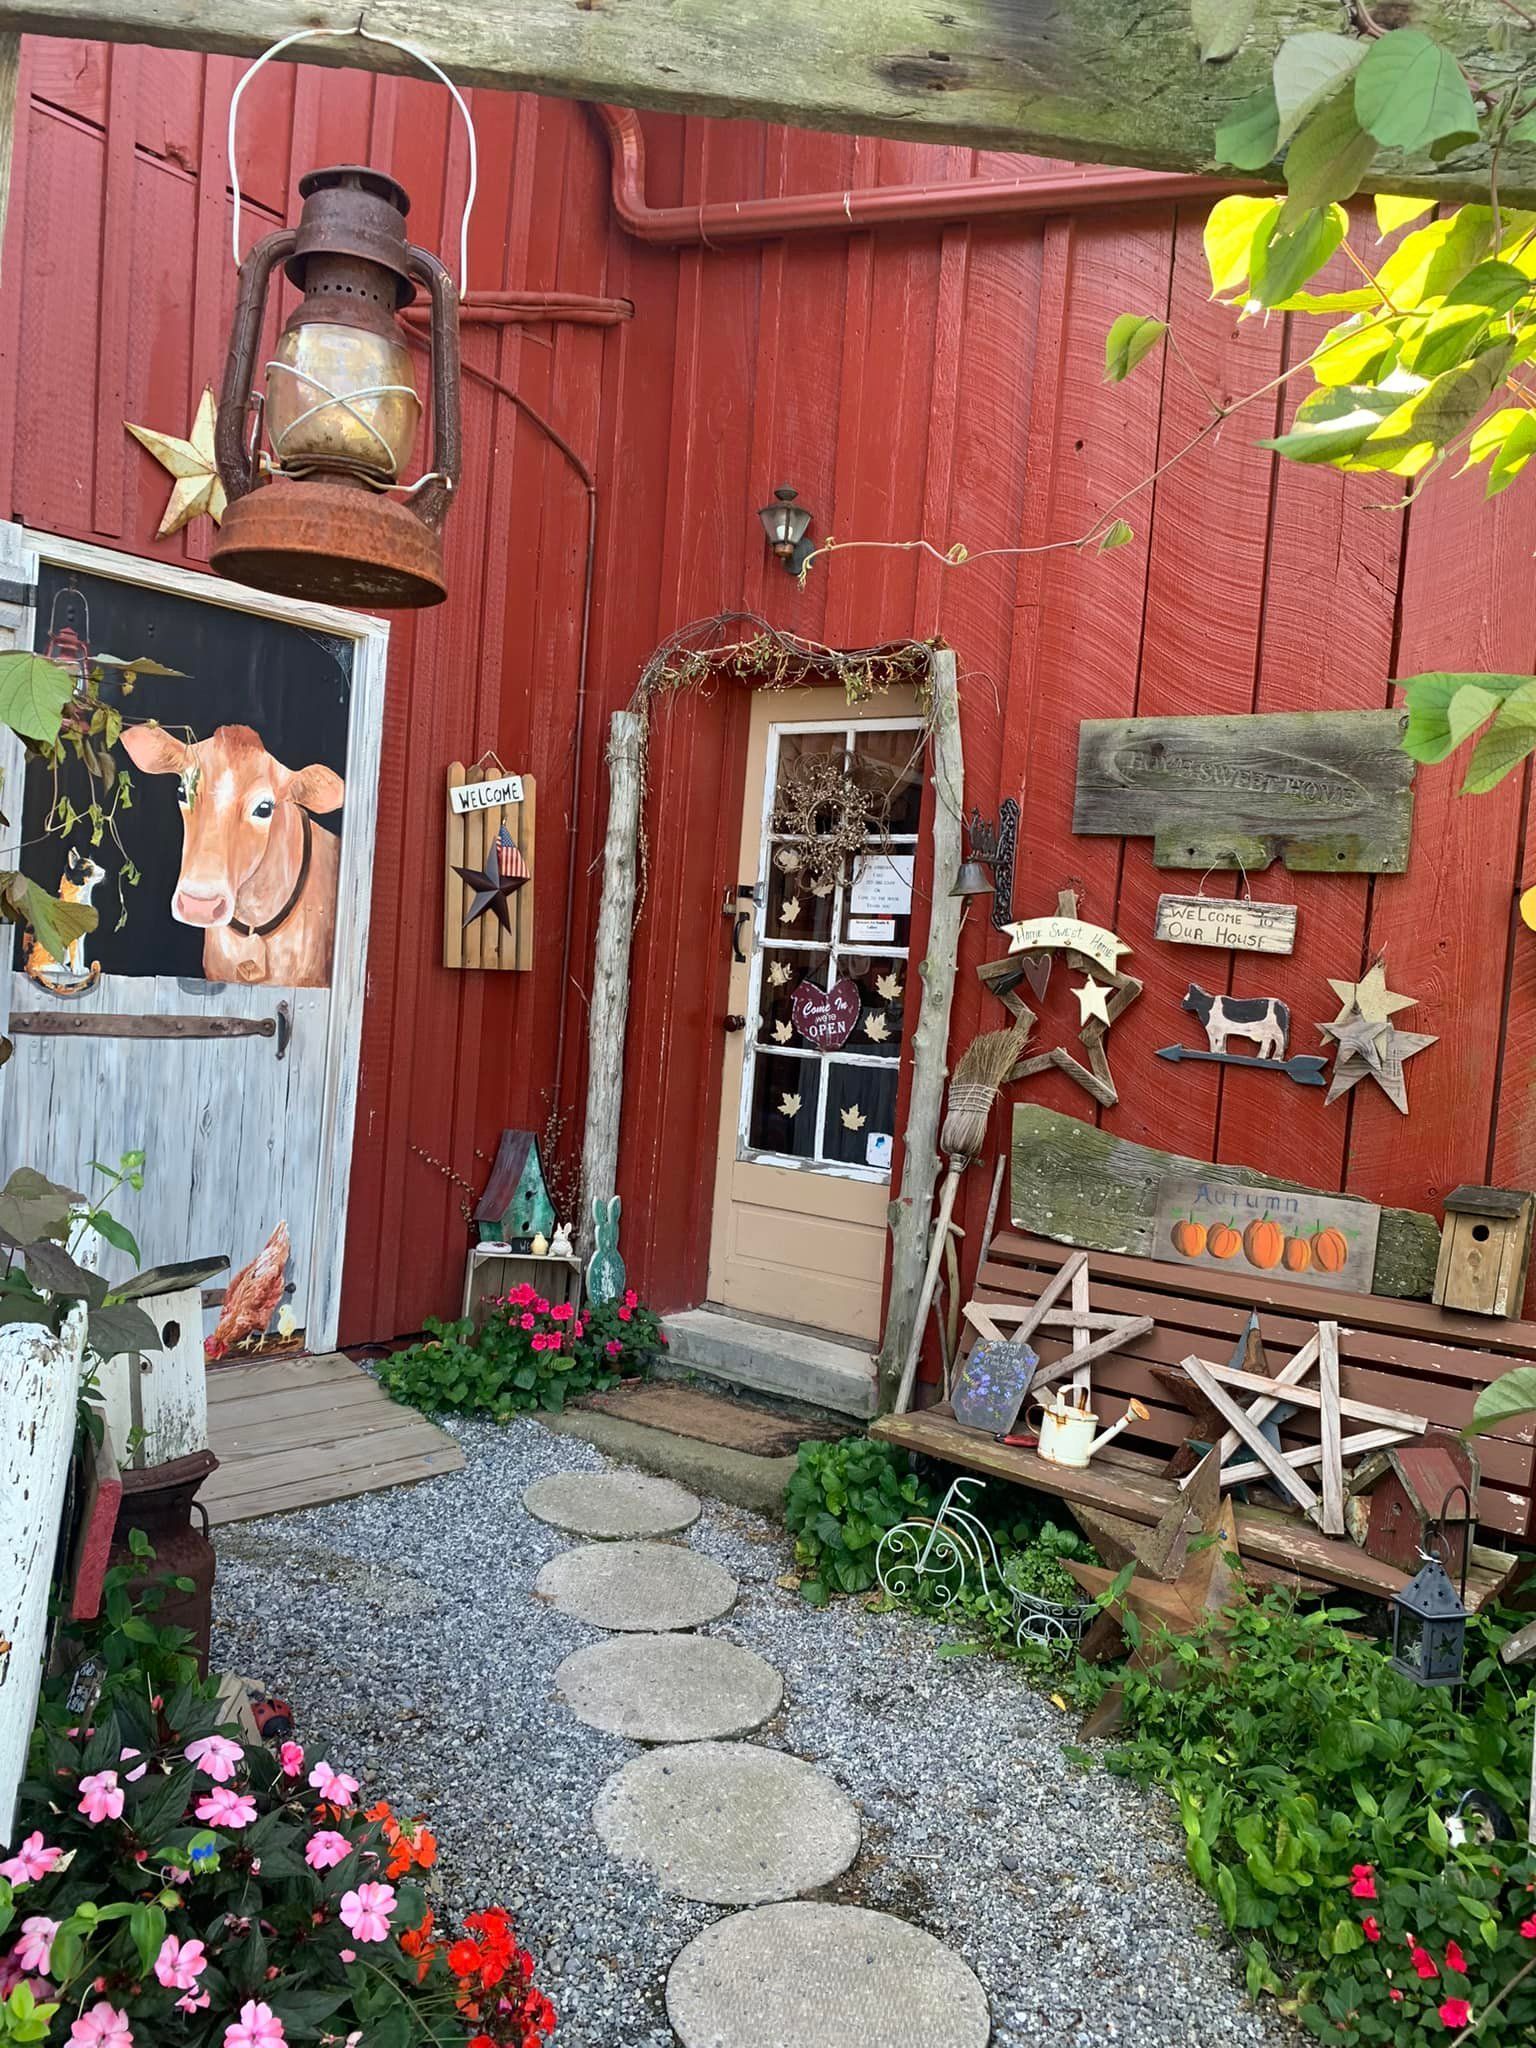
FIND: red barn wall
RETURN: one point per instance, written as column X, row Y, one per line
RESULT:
column 943, row 382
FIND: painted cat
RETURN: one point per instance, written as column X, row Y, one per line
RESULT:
column 77, row 885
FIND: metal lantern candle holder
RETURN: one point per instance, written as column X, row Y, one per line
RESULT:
column 322, row 511
column 1429, row 1628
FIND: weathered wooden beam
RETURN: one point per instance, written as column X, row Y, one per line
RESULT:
column 1099, row 81
column 609, row 1010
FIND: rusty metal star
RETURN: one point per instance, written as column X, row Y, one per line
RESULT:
column 504, row 873
column 191, row 461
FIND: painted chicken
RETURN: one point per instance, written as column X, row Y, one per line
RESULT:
column 252, row 1297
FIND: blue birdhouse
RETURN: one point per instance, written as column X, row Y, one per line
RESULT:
column 516, row 1206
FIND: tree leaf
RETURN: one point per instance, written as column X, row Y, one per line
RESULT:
column 55, row 924
column 33, row 1207
column 1249, row 138
column 1393, row 213
column 1446, row 337
column 1433, row 260
column 1230, row 230
column 1220, row 26
column 1329, row 156
column 1519, row 446
column 1409, row 92
column 33, row 693
column 1115, row 536
column 1506, row 743
column 1332, row 422
column 1426, row 422
column 1308, row 68
column 50, row 1268
column 1133, row 336
column 120, row 1327
column 1438, row 719
column 1284, row 259
column 1358, row 351
column 117, row 1234
column 1511, row 1395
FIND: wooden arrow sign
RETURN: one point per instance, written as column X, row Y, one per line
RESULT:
column 1308, row 1068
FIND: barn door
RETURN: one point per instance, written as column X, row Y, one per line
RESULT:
column 211, row 1019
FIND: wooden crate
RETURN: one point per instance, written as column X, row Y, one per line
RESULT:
column 490, row 1272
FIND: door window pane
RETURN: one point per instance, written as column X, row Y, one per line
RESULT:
column 785, row 1105
column 861, row 1107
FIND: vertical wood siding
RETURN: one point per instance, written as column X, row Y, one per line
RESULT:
column 944, row 382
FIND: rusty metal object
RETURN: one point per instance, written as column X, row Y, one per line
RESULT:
column 341, row 409
column 337, row 543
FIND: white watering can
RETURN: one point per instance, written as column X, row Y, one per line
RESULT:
column 1067, row 1429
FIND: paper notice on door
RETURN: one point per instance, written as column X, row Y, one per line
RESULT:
column 882, row 885
column 877, row 1149
column 872, row 931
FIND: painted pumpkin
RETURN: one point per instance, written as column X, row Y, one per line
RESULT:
column 1189, row 1238
column 1298, row 1255
column 1223, row 1242
column 1330, row 1250
column 1264, row 1244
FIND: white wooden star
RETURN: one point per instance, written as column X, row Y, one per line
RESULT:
column 1370, row 995
column 191, row 462
column 1092, row 1001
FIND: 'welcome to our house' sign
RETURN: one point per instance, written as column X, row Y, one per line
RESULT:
column 1240, row 926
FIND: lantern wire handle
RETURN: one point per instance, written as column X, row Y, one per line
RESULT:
column 304, row 35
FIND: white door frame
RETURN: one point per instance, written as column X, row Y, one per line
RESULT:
column 21, row 554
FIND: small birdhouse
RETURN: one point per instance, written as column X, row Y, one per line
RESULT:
column 1410, row 1499
column 516, row 1206
column 1485, row 1247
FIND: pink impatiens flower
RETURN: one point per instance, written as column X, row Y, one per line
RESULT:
column 1364, row 1886
column 257, row 2027
column 323, row 1851
column 1455, row 2013
column 222, row 1808
column 625, row 1314
column 1528, row 1928
column 1454, row 1959
column 631, row 1299
column 33, row 1860
column 102, row 2027
column 365, row 1912
column 562, row 1312
column 526, row 1322
column 1423, row 1962
column 216, row 1755
column 180, row 1964
column 34, row 1951
column 101, row 1798
column 1370, row 1927
column 333, row 1785
column 613, row 1347
column 127, row 1755
column 291, row 1757
column 195, row 2001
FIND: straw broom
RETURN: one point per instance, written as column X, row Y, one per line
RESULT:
column 979, row 1074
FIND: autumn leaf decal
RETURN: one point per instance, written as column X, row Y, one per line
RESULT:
column 888, row 987
column 789, row 1105
column 853, row 1117
column 875, row 1026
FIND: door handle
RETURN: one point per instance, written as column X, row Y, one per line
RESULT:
column 742, row 917
column 284, row 1023
column 734, row 1023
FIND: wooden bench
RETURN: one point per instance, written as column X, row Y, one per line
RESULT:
column 1398, row 1354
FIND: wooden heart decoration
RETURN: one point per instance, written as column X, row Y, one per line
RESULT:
column 1037, row 972
column 825, row 1017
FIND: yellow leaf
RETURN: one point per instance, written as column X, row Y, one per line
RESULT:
column 1229, row 239
column 1393, row 213
column 1488, row 435
column 1426, row 264
column 1353, row 349
column 1058, row 1701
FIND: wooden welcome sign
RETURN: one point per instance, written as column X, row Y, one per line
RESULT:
column 488, row 879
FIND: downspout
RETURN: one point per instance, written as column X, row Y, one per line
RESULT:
column 527, row 309
column 745, row 220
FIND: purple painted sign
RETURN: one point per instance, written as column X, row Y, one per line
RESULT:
column 825, row 1017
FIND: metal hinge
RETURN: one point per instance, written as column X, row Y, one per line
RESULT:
column 17, row 593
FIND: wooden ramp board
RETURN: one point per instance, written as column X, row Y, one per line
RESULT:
column 1132, row 1485
column 292, row 1432
column 713, row 1418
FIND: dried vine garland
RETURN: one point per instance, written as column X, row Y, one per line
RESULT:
column 744, row 647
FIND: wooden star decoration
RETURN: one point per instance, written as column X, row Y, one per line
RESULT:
column 1003, row 978
column 191, row 461
column 504, row 873
column 1367, row 1042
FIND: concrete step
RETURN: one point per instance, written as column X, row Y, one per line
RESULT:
column 783, row 1359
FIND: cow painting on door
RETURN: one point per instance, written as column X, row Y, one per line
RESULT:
column 211, row 1018
column 256, row 878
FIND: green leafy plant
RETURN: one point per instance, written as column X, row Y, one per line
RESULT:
column 527, row 1356
column 839, row 1503
column 44, row 1229
column 1511, row 1395
column 1299, row 1759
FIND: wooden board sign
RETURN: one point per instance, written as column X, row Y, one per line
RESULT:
column 1067, row 935
column 1243, row 1227
column 1083, row 1186
column 489, row 879
column 465, row 797
column 1230, row 925
column 1324, row 791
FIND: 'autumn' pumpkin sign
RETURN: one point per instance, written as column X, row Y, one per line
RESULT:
column 1326, row 1240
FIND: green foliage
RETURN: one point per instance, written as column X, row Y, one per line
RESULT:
column 527, row 1356
column 1220, row 26
column 1410, row 94
column 1511, row 1394
column 1445, row 710
column 840, row 1502
column 1132, row 337
column 1299, row 1759
column 43, row 1229
column 33, row 693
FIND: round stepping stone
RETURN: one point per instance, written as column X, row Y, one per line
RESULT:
column 836, row 1975
column 644, row 1587
column 670, row 1688
column 612, row 1505
column 728, row 1823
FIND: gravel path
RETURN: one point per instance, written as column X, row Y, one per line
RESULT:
column 401, row 1627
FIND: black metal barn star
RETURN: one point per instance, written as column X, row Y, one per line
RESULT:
column 504, row 873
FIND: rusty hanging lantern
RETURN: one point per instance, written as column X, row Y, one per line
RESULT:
column 323, row 510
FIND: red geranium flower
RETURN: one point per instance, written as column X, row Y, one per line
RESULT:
column 463, row 1958
column 1424, row 1962
column 1454, row 1959
column 1364, row 1886
column 1455, row 2013
column 1370, row 1927
column 1528, row 1928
